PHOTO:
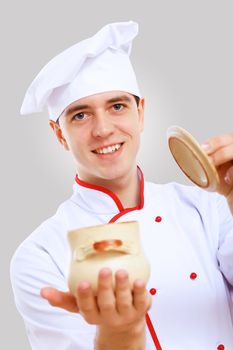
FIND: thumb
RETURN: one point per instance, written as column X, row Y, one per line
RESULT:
column 63, row 300
column 229, row 176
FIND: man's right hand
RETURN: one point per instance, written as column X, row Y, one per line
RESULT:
column 118, row 314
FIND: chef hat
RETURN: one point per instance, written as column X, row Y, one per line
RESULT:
column 98, row 64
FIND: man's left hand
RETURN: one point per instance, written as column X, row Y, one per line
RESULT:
column 220, row 150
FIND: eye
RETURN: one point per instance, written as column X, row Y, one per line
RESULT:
column 79, row 116
column 118, row 106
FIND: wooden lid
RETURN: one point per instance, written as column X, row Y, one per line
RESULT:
column 192, row 159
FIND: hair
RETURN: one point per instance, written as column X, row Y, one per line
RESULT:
column 137, row 99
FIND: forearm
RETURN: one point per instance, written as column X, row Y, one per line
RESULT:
column 132, row 338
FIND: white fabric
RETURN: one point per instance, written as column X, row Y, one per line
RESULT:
column 98, row 64
column 195, row 235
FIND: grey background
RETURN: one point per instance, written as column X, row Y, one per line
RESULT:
column 183, row 58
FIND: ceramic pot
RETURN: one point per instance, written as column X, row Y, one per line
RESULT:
column 115, row 245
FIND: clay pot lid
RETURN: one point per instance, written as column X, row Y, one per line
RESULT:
column 192, row 159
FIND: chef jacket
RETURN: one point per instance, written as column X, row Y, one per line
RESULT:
column 187, row 235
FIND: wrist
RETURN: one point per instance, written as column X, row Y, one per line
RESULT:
column 127, row 337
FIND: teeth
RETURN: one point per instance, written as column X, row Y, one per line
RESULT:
column 109, row 149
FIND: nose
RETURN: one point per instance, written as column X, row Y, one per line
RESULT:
column 102, row 126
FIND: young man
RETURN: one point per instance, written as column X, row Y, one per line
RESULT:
column 97, row 113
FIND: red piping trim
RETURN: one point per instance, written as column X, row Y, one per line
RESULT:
column 141, row 204
column 138, row 207
column 101, row 189
column 152, row 333
column 119, row 205
column 125, row 211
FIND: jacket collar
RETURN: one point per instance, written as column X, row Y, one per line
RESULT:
column 101, row 200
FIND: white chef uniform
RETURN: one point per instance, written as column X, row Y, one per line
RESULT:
column 187, row 235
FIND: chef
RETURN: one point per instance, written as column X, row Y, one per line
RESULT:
column 97, row 113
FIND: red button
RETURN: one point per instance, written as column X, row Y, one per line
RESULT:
column 158, row 219
column 193, row 275
column 221, row 347
column 153, row 291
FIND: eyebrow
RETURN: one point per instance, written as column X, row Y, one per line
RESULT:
column 77, row 108
column 73, row 109
column 119, row 98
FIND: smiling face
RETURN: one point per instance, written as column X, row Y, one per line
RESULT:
column 103, row 133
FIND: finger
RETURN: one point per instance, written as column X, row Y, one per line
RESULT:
column 87, row 303
column 64, row 300
column 212, row 144
column 123, row 292
column 222, row 155
column 141, row 298
column 229, row 176
column 105, row 296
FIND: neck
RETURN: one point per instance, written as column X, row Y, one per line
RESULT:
column 126, row 188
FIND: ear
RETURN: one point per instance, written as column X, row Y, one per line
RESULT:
column 141, row 105
column 58, row 132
